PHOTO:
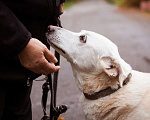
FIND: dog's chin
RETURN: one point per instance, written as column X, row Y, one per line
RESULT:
column 58, row 49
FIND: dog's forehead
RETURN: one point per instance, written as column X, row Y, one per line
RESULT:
column 96, row 37
column 100, row 42
column 93, row 35
column 90, row 33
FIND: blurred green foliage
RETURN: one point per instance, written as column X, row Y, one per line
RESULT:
column 69, row 3
column 117, row 2
column 135, row 3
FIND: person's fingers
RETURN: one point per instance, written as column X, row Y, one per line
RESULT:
column 50, row 56
column 54, row 69
column 46, row 68
column 49, row 68
column 35, row 57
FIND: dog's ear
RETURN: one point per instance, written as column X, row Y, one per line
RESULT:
column 115, row 68
column 109, row 66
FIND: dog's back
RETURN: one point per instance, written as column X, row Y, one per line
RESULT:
column 142, row 89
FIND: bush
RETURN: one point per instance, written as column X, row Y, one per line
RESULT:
column 117, row 2
column 120, row 2
column 133, row 2
column 69, row 3
column 111, row 1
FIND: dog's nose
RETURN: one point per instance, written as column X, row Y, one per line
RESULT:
column 50, row 29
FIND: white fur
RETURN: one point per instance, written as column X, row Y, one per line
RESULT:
column 97, row 65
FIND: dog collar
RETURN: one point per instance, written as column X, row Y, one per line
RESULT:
column 105, row 92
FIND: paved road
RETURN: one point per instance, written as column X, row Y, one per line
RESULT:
column 129, row 30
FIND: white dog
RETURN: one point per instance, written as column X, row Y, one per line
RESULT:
column 111, row 89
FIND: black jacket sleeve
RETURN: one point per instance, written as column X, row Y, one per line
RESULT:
column 13, row 34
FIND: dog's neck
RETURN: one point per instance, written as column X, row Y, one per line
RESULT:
column 91, row 83
column 105, row 92
column 96, row 82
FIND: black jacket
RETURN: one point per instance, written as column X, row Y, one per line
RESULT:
column 19, row 21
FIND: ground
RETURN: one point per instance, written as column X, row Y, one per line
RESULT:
column 128, row 29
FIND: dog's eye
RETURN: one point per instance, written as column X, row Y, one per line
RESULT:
column 83, row 38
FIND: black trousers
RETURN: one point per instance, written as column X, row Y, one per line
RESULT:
column 15, row 103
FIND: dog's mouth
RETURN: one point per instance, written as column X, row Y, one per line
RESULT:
column 58, row 49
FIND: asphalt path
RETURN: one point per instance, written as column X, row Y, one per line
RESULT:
column 128, row 29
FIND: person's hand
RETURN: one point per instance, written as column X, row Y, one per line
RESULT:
column 34, row 57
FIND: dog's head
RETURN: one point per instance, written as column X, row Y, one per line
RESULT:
column 89, row 53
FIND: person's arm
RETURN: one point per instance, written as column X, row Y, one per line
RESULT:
column 16, row 40
column 13, row 35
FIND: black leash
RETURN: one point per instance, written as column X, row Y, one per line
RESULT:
column 51, row 83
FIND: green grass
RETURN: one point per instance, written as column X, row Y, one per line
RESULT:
column 68, row 4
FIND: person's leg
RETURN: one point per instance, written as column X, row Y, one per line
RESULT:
column 17, row 103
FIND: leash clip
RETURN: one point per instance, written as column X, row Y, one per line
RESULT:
column 59, row 110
